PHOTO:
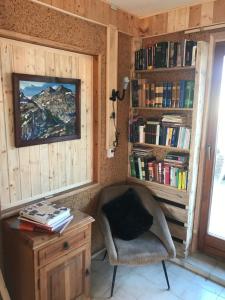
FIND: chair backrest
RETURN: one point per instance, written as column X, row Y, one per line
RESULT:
column 159, row 227
column 144, row 194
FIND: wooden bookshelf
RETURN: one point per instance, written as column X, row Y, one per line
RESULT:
column 183, row 69
column 175, row 149
column 177, row 205
column 163, row 108
column 160, row 190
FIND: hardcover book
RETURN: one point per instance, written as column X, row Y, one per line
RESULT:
column 45, row 213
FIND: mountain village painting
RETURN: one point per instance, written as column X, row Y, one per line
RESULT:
column 46, row 109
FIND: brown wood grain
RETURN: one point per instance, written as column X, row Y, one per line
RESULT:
column 49, row 267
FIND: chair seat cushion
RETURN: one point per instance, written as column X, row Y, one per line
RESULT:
column 145, row 249
column 127, row 217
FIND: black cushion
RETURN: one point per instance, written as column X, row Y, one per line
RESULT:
column 127, row 217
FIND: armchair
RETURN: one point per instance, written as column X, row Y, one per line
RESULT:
column 153, row 246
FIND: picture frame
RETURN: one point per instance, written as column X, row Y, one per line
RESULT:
column 46, row 109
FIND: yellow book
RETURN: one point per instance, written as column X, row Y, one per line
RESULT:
column 180, row 180
column 183, row 180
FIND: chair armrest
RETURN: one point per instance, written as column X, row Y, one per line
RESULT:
column 159, row 226
column 109, row 243
column 161, row 230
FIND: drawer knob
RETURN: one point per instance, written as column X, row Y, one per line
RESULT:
column 66, row 245
column 87, row 272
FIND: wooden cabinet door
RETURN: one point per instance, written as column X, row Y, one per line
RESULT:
column 67, row 278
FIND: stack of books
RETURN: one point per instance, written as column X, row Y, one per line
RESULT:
column 166, row 55
column 170, row 171
column 139, row 159
column 170, row 131
column 43, row 217
column 176, row 94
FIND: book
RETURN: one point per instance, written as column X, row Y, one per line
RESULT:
column 28, row 225
column 182, row 93
column 159, row 94
column 161, row 53
column 45, row 213
column 135, row 96
column 189, row 94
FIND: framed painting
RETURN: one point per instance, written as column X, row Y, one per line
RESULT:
column 46, row 109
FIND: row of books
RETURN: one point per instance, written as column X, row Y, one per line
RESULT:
column 166, row 55
column 168, row 173
column 159, row 133
column 177, row 94
column 43, row 217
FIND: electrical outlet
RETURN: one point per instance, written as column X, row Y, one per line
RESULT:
column 110, row 153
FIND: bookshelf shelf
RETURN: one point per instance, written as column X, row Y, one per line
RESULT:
column 191, row 68
column 177, row 205
column 175, row 149
column 159, row 190
column 163, row 109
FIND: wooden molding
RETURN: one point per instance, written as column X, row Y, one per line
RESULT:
column 111, row 83
column 186, row 18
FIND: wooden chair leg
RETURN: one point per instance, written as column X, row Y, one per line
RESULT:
column 3, row 290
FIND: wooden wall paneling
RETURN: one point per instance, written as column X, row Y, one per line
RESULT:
column 13, row 155
column 195, row 16
column 63, row 68
column 40, row 63
column 182, row 18
column 42, row 169
column 89, row 118
column 32, row 60
column 159, row 23
column 83, row 149
column 53, row 147
column 171, row 21
column 19, row 55
column 111, row 83
column 4, row 176
column 74, row 154
column 219, row 11
column 207, row 13
column 145, row 26
column 97, row 61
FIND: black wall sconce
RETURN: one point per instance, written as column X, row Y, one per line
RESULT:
column 116, row 94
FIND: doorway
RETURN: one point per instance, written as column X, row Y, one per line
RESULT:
column 212, row 218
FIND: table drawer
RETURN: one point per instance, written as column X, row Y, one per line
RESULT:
column 64, row 245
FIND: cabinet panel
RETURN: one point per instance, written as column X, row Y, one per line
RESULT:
column 66, row 278
column 62, row 247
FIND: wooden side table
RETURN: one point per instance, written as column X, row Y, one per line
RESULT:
column 40, row 266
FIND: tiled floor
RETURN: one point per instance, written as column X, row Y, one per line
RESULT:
column 206, row 266
column 148, row 283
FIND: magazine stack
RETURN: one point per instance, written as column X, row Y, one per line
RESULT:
column 43, row 217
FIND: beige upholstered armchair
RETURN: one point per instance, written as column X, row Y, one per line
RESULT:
column 153, row 246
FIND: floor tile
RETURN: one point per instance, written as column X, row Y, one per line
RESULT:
column 148, row 283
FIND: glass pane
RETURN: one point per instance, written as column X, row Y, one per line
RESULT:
column 216, row 225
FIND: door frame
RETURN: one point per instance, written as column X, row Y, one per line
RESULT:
column 198, row 236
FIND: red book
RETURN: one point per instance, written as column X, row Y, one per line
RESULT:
column 26, row 226
column 167, row 174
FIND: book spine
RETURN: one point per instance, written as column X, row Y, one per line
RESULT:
column 169, row 94
column 182, row 93
column 141, row 134
column 132, row 166
column 140, row 168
